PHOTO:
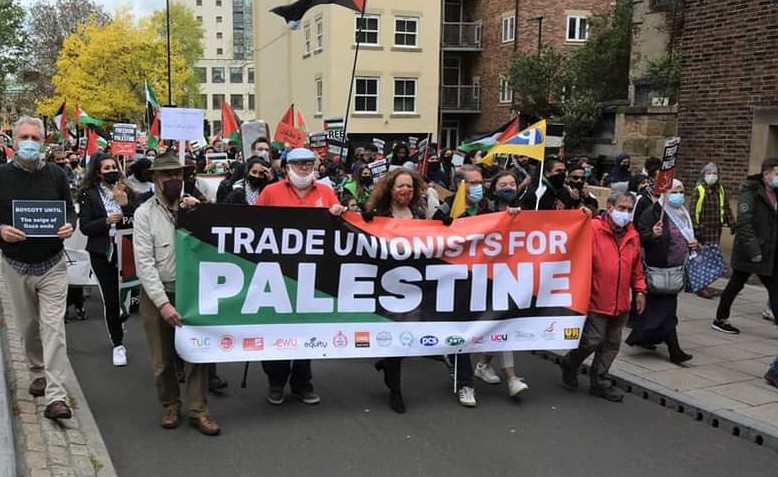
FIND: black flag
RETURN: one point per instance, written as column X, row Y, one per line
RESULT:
column 296, row 11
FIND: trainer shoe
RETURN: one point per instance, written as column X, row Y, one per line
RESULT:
column 308, row 397
column 771, row 378
column 767, row 314
column 119, row 356
column 275, row 396
column 569, row 376
column 467, row 396
column 516, row 386
column 486, row 373
column 725, row 327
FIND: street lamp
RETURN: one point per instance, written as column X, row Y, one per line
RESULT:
column 539, row 19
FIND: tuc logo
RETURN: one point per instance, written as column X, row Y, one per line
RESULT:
column 200, row 344
column 428, row 340
column 499, row 337
column 572, row 333
column 285, row 343
column 362, row 339
column 253, row 344
column 226, row 343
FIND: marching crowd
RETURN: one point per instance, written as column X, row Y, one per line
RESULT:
column 643, row 246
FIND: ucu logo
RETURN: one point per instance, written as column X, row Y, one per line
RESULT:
column 500, row 338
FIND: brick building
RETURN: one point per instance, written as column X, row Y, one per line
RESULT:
column 728, row 102
column 478, row 41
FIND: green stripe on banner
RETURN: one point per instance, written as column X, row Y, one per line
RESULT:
column 192, row 252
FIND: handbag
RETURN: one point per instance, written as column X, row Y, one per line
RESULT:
column 705, row 266
column 665, row 281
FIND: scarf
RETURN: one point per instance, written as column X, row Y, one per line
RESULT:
column 681, row 218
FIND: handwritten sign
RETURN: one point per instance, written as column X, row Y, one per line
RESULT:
column 182, row 124
column 38, row 218
column 289, row 134
column 664, row 182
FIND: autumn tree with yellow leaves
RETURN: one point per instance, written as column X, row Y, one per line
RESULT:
column 102, row 68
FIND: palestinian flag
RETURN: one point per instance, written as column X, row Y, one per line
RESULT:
column 92, row 145
column 152, row 116
column 230, row 125
column 84, row 118
column 294, row 13
column 61, row 122
column 485, row 142
column 286, row 131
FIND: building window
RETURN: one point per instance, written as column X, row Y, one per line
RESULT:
column 200, row 74
column 366, row 99
column 404, row 95
column 236, row 100
column 369, row 30
column 216, row 101
column 250, row 74
column 319, row 34
column 203, row 102
column 217, row 75
column 406, row 31
column 508, row 29
column 218, row 3
column 236, row 75
column 219, row 35
column 506, row 93
column 199, row 19
column 219, row 51
column 252, row 102
column 218, row 19
column 199, row 3
column 319, row 94
column 577, row 28
column 307, row 35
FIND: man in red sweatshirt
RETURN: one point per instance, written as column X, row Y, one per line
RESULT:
column 617, row 272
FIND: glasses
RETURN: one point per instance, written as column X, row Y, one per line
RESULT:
column 302, row 164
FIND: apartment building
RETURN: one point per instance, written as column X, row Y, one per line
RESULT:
column 396, row 81
column 226, row 71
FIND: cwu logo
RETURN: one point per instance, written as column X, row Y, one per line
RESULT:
column 529, row 137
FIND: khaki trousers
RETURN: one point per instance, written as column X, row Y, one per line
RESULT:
column 601, row 336
column 38, row 306
column 161, row 339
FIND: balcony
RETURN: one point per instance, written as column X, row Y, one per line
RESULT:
column 460, row 98
column 461, row 36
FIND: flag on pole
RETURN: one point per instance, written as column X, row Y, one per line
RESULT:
column 91, row 141
column 230, row 125
column 61, row 122
column 301, row 121
column 294, row 13
column 84, row 118
column 152, row 117
column 530, row 142
column 487, row 141
column 287, row 133
column 459, row 206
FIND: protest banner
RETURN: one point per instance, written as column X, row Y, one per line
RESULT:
column 123, row 139
column 339, row 287
column 664, row 181
column 38, row 218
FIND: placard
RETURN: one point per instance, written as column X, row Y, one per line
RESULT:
column 250, row 131
column 378, row 168
column 182, row 124
column 664, row 182
column 38, row 218
column 289, row 134
column 216, row 163
column 123, row 137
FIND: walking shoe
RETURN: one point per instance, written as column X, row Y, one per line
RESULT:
column 611, row 394
column 275, row 396
column 57, row 410
column 215, row 382
column 771, row 378
column 516, row 386
column 171, row 417
column 725, row 327
column 206, row 425
column 38, row 387
column 569, row 376
column 767, row 314
column 80, row 314
column 486, row 373
column 467, row 396
column 119, row 356
column 680, row 358
column 308, row 397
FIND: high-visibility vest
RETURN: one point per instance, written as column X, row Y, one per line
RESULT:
column 701, row 198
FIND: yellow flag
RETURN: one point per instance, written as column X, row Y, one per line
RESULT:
column 459, row 206
column 530, row 142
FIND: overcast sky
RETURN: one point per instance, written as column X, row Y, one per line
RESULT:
column 140, row 8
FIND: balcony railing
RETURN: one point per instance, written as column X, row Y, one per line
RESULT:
column 461, row 98
column 461, row 36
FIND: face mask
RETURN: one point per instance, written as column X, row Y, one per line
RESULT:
column 29, row 150
column 475, row 193
column 301, row 182
column 588, row 172
column 711, row 179
column 624, row 167
column 403, row 197
column 506, row 194
column 675, row 199
column 366, row 181
column 171, row 189
column 577, row 185
column 774, row 182
column 112, row 177
column 620, row 219
column 263, row 155
column 557, row 180
column 255, row 181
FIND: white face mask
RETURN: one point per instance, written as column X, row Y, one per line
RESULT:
column 301, row 182
column 620, row 219
column 711, row 179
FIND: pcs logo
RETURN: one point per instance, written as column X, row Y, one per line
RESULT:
column 428, row 340
column 572, row 333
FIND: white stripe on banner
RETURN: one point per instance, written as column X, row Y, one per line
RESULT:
column 211, row 344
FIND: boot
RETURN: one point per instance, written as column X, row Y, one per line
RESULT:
column 391, row 371
column 677, row 355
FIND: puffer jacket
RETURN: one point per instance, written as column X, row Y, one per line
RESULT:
column 756, row 229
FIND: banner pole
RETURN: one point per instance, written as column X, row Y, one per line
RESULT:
column 354, row 72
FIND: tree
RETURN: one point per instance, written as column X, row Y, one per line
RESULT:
column 538, row 80
column 49, row 25
column 664, row 73
column 13, row 39
column 103, row 68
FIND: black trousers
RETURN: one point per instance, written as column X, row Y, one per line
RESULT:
column 297, row 373
column 108, row 277
column 735, row 285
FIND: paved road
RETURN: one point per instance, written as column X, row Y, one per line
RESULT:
column 550, row 432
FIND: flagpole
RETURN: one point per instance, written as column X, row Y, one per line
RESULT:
column 354, row 73
column 169, row 75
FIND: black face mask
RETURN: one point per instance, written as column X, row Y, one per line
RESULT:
column 557, row 180
column 255, row 182
column 62, row 164
column 171, row 189
column 366, row 181
column 624, row 167
column 577, row 185
column 112, row 177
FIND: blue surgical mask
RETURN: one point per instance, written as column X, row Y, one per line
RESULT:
column 475, row 193
column 675, row 199
column 506, row 195
column 29, row 150
column 774, row 182
column 621, row 219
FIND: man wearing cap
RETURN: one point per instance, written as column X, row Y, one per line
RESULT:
column 154, row 241
column 299, row 189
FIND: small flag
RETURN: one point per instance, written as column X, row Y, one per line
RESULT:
column 230, row 124
column 61, row 122
column 84, row 118
column 91, row 141
column 530, row 142
column 152, row 117
column 459, row 206
column 485, row 142
column 301, row 121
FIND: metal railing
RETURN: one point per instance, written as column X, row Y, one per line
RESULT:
column 461, row 36
column 460, row 98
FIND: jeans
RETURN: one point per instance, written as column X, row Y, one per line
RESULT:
column 297, row 373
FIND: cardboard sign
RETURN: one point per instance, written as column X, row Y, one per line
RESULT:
column 378, row 168
column 123, row 137
column 38, row 218
column 337, row 149
column 250, row 131
column 289, row 134
column 182, row 124
column 664, row 181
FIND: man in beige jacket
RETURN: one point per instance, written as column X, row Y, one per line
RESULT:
column 154, row 243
